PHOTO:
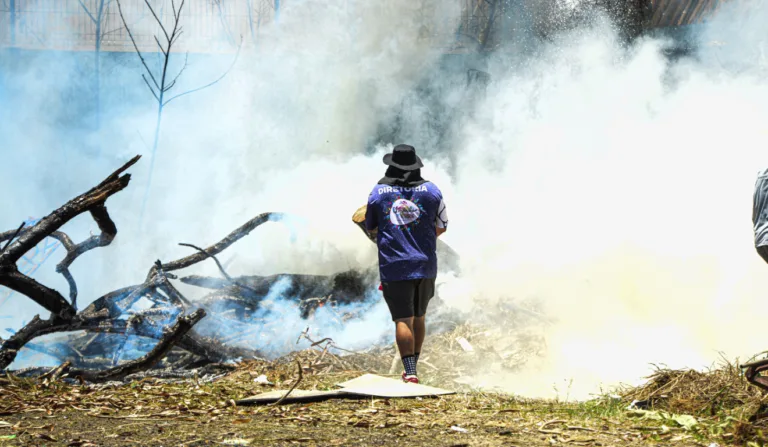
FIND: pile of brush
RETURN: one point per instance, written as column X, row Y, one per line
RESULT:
column 736, row 410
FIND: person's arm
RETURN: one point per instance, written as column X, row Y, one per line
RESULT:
column 371, row 217
column 441, row 221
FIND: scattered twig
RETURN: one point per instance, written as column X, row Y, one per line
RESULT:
column 218, row 264
column 301, row 376
column 543, row 428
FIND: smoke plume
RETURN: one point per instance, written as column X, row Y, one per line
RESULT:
column 609, row 182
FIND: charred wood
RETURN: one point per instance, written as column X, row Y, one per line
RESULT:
column 305, row 290
column 111, row 319
column 170, row 337
column 92, row 201
column 220, row 246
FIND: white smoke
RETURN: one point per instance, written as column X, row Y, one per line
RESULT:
column 612, row 183
column 622, row 198
column 279, row 133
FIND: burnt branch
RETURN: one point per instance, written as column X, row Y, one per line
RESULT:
column 114, row 313
column 46, row 297
column 92, row 201
column 223, row 244
column 214, row 350
column 174, row 295
column 218, row 264
column 52, row 222
column 13, row 236
column 138, row 325
column 170, row 337
column 231, row 280
column 34, row 328
column 108, row 233
column 205, row 282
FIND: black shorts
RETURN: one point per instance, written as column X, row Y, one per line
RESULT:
column 408, row 298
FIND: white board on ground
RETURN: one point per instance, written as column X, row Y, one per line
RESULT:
column 378, row 386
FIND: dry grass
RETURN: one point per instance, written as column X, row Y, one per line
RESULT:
column 197, row 412
column 721, row 397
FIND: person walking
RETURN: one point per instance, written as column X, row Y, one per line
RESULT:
column 407, row 215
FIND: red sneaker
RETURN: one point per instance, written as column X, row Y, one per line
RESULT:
column 410, row 379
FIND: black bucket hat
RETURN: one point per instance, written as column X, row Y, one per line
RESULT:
column 403, row 157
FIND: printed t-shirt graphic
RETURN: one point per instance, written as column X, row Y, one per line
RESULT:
column 403, row 212
column 406, row 218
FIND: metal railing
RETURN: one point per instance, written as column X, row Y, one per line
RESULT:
column 209, row 25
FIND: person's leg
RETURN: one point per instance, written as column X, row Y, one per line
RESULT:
column 425, row 290
column 419, row 331
column 404, row 336
column 399, row 296
column 405, row 344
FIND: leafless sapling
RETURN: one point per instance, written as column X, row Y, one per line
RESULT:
column 161, row 82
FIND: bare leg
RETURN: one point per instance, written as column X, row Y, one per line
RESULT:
column 404, row 336
column 419, row 331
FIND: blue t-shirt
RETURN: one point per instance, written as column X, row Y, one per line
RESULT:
column 407, row 219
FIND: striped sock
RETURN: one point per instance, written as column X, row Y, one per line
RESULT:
column 417, row 357
column 409, row 363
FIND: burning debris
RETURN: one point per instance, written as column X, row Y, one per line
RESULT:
column 163, row 328
column 153, row 329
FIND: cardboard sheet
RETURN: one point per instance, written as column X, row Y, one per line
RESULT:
column 377, row 386
column 366, row 386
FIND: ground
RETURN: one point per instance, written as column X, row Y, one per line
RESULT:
column 196, row 413
column 674, row 408
column 476, row 421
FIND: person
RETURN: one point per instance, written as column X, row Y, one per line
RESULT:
column 760, row 214
column 407, row 215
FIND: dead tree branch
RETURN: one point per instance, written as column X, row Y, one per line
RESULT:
column 92, row 201
column 223, row 244
column 107, row 313
column 221, row 269
column 13, row 236
column 218, row 264
column 170, row 337
column 163, row 82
